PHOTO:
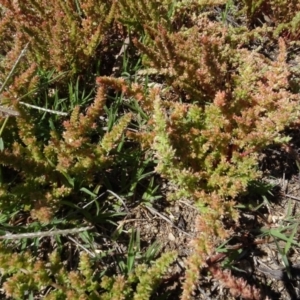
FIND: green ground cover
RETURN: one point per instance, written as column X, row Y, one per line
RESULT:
column 110, row 108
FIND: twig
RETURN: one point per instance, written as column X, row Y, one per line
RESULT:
column 13, row 68
column 292, row 197
column 43, row 233
column 12, row 112
column 9, row 111
column 82, row 247
column 44, row 109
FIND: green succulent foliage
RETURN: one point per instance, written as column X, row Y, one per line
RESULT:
column 69, row 161
column 25, row 275
column 145, row 279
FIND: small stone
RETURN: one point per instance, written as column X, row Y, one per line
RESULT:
column 171, row 237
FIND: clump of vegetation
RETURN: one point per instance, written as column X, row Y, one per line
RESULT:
column 282, row 15
column 221, row 102
column 62, row 35
column 28, row 275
